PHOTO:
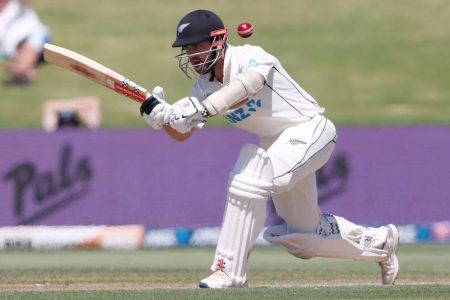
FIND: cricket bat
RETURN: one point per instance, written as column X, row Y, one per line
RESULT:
column 94, row 71
column 98, row 73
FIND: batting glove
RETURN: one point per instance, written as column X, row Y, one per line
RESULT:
column 187, row 113
column 155, row 111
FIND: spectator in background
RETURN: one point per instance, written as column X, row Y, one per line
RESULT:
column 22, row 37
column 68, row 119
column 73, row 113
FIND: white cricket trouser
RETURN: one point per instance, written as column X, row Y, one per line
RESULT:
column 296, row 154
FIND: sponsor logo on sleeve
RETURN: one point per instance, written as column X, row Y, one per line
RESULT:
column 245, row 111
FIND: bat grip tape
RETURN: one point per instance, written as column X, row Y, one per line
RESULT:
column 149, row 104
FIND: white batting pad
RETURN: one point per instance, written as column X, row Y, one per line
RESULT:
column 329, row 241
column 249, row 187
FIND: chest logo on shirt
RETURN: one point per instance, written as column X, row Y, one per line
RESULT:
column 243, row 112
column 253, row 63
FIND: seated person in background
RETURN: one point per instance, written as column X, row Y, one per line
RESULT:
column 74, row 113
column 22, row 37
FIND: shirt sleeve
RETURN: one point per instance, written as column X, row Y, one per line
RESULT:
column 256, row 59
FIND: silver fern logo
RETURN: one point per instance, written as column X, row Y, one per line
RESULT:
column 182, row 27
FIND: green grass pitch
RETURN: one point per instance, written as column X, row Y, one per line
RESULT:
column 174, row 274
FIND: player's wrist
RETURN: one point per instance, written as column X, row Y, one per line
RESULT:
column 210, row 109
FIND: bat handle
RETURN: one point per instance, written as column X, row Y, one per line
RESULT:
column 149, row 105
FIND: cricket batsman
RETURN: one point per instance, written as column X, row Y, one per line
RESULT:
column 252, row 90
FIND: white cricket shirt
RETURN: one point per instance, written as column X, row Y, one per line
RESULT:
column 280, row 104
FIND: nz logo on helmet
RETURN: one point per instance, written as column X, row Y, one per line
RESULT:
column 182, row 27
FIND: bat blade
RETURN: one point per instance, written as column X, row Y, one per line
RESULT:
column 94, row 71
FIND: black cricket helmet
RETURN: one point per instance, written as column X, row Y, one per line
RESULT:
column 198, row 26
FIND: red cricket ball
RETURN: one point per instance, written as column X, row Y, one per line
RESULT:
column 245, row 30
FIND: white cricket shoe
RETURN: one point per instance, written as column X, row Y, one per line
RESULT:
column 219, row 280
column 390, row 267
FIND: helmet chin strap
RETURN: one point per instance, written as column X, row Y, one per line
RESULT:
column 211, row 69
column 214, row 59
column 212, row 74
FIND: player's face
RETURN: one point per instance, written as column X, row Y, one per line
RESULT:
column 201, row 58
column 198, row 55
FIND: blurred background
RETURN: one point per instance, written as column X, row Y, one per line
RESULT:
column 380, row 68
column 367, row 62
